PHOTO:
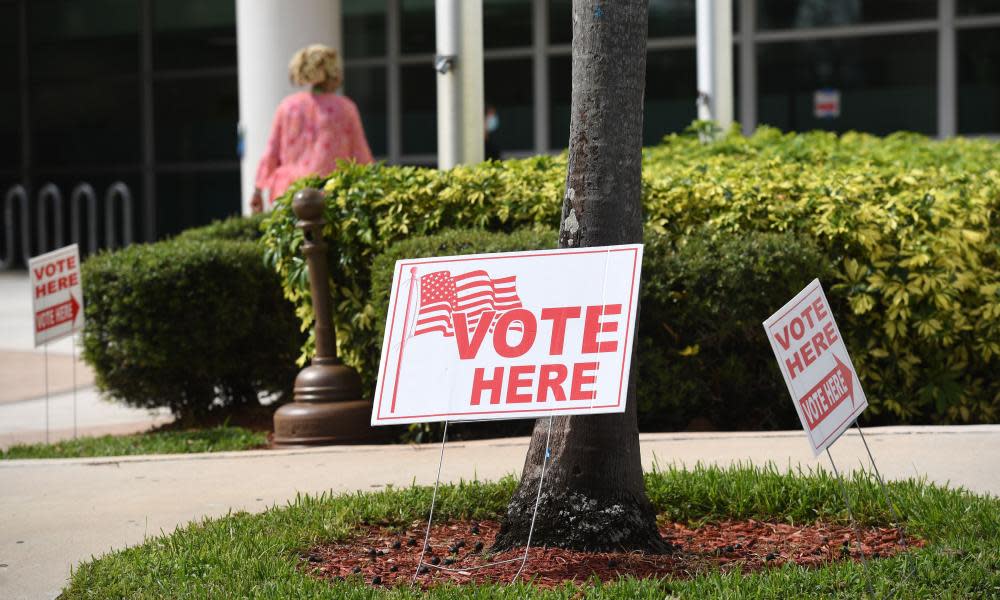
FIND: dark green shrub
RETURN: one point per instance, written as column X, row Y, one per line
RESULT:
column 704, row 360
column 196, row 326
column 908, row 225
column 246, row 229
column 702, row 355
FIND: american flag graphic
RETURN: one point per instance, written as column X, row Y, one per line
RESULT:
column 472, row 293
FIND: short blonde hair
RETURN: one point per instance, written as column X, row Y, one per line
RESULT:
column 316, row 65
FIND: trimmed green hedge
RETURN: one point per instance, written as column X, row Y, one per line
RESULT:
column 704, row 360
column 908, row 226
column 702, row 355
column 247, row 229
column 197, row 326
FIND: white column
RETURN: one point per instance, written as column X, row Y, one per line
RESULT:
column 268, row 32
column 714, row 28
column 459, row 64
column 540, row 44
column 748, row 66
column 470, row 70
column 947, row 76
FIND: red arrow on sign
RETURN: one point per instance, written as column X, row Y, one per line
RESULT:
column 826, row 396
column 56, row 315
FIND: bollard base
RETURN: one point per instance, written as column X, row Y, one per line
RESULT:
column 302, row 424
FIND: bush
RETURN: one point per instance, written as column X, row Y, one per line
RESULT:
column 239, row 228
column 704, row 360
column 906, row 224
column 196, row 326
column 702, row 354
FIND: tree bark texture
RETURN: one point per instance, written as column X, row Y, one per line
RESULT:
column 594, row 497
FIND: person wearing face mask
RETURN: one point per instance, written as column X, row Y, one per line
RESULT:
column 492, row 123
column 312, row 129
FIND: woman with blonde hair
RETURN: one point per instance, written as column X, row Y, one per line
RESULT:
column 311, row 129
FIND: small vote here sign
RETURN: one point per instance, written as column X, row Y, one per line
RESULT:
column 512, row 335
column 814, row 361
column 56, row 294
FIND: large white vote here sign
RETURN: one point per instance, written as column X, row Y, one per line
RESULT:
column 818, row 370
column 56, row 294
column 512, row 335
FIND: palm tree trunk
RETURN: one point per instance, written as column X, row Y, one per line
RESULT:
column 594, row 496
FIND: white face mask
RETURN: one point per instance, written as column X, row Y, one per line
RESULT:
column 492, row 123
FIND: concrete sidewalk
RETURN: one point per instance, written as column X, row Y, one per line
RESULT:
column 56, row 513
column 26, row 371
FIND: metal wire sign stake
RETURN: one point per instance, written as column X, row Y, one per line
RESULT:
column 824, row 386
column 57, row 307
column 507, row 336
column 430, row 519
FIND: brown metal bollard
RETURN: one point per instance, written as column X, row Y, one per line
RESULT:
column 327, row 406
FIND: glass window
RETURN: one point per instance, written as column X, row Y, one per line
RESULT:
column 186, row 200
column 560, row 96
column 417, row 26
column 364, row 28
column 979, row 81
column 195, row 118
column 419, row 107
column 789, row 14
column 671, row 18
column 881, row 84
column 560, row 22
column 85, row 123
column 366, row 87
column 191, row 34
column 671, row 78
column 506, row 23
column 669, row 102
column 10, row 100
column 667, row 18
column 10, row 130
column 82, row 39
column 508, row 86
column 978, row 7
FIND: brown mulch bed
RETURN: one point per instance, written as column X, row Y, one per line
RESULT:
column 388, row 557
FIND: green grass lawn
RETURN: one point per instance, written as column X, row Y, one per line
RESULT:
column 257, row 555
column 216, row 439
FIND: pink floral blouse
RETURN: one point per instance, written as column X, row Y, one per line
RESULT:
column 309, row 134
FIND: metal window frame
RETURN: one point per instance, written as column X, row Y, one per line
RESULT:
column 539, row 49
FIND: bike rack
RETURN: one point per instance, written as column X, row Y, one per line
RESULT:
column 84, row 192
column 117, row 190
column 50, row 194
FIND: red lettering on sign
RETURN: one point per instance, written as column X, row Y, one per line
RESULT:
column 831, row 334
column 592, row 326
column 828, row 394
column 480, row 384
column 518, row 381
column 58, row 314
column 519, row 387
column 813, row 347
column 796, row 329
column 470, row 348
column 559, row 316
column 583, row 374
column 821, row 312
column 551, row 378
column 530, row 329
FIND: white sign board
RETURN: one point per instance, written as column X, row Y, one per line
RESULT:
column 812, row 356
column 506, row 336
column 56, row 294
column 826, row 104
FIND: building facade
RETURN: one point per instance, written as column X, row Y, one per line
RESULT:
column 147, row 92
